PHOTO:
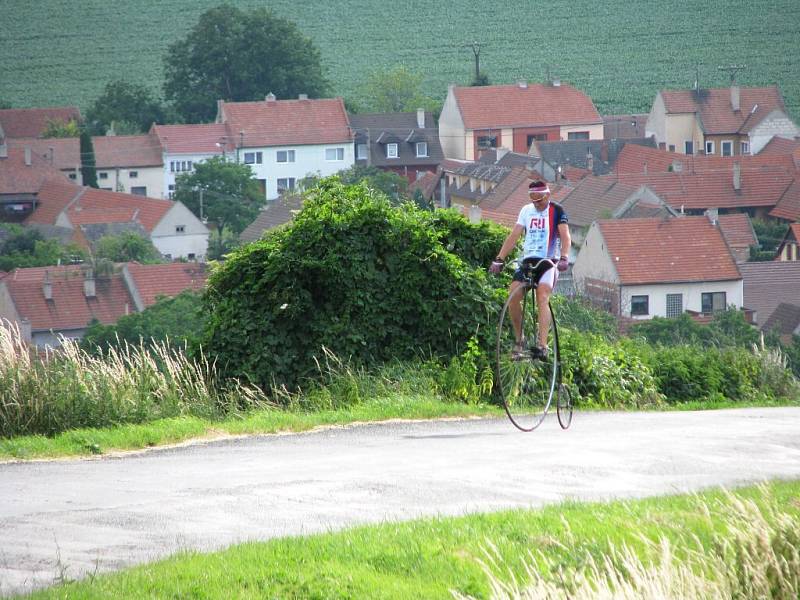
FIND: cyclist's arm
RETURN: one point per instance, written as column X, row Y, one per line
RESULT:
column 511, row 242
column 566, row 240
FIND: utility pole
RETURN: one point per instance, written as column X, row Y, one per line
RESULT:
column 732, row 69
column 201, row 205
column 476, row 50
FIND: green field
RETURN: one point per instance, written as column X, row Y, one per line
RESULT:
column 621, row 52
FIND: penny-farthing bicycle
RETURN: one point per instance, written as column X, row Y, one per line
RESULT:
column 528, row 380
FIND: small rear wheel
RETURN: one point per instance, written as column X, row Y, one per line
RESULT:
column 564, row 406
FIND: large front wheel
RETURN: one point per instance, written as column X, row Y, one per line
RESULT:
column 526, row 378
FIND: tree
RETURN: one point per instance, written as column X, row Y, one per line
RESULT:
column 88, row 170
column 122, row 101
column 26, row 247
column 56, row 128
column 5, row 103
column 481, row 79
column 221, row 242
column 126, row 247
column 392, row 185
column 395, row 90
column 230, row 196
column 238, row 55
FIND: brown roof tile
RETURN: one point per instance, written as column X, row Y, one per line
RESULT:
column 102, row 206
column 788, row 207
column 779, row 146
column 672, row 250
column 127, row 151
column 594, row 196
column 153, row 281
column 18, row 178
column 31, row 122
column 287, row 122
column 491, row 106
column 69, row 307
column 715, row 110
column 767, row 284
column 53, row 198
column 191, row 139
column 738, row 230
column 784, row 320
column 62, row 153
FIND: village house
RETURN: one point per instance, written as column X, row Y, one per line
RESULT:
column 721, row 121
column 89, row 214
column 512, row 117
column 22, row 173
column 284, row 141
column 33, row 122
column 573, row 160
column 129, row 163
column 184, row 146
column 789, row 248
column 769, row 284
column 403, row 143
column 642, row 268
column 62, row 153
column 48, row 303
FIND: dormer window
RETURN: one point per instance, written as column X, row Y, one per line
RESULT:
column 422, row 149
column 361, row 151
column 391, row 151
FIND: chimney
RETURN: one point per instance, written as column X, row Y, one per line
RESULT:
column 89, row 289
column 713, row 215
column 421, row 118
column 522, row 84
column 556, row 82
column 500, row 153
column 302, row 96
column 28, row 158
column 589, row 160
column 735, row 98
column 269, row 97
column 737, row 176
column 47, row 286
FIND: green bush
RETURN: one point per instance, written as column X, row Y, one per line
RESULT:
column 477, row 244
column 352, row 274
column 579, row 314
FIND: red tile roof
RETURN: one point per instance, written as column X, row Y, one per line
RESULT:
column 53, row 198
column 101, row 206
column 66, row 152
column 788, row 207
column 18, row 178
column 738, row 230
column 31, row 122
column 152, row 281
column 679, row 249
column 779, row 146
column 767, row 284
column 194, row 139
column 287, row 122
column 505, row 210
column 535, row 105
column 715, row 111
column 594, row 196
column 69, row 307
column 127, row 151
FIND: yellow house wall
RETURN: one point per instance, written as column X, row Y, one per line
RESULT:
column 595, row 131
column 680, row 129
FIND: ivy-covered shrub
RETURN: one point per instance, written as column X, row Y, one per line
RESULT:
column 352, row 274
column 579, row 314
column 477, row 244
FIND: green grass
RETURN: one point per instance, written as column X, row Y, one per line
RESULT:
column 428, row 558
column 93, row 441
column 619, row 52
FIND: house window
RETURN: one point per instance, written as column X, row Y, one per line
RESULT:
column 133, row 174
column 183, row 166
column 139, row 190
column 535, row 137
column 285, row 183
column 671, row 148
column 361, row 151
column 709, row 147
column 172, row 166
column 745, row 147
column 189, row 164
column 180, row 228
column 191, row 256
column 102, row 175
column 334, row 154
column 253, row 158
column 578, row 135
column 727, row 148
column 422, row 148
column 73, row 176
column 391, row 150
column 285, row 156
column 674, row 305
column 640, row 305
column 688, row 148
column 487, row 141
column 711, row 302
column 171, row 191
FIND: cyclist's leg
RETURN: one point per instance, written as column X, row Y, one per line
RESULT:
column 543, row 291
column 515, row 309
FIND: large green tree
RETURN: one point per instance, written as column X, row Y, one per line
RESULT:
column 394, row 186
column 238, row 55
column 88, row 170
column 25, row 247
column 222, row 192
column 394, row 90
column 126, row 247
column 127, row 103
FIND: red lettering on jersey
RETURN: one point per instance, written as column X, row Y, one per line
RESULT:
column 537, row 223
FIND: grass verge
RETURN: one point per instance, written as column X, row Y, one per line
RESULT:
column 755, row 532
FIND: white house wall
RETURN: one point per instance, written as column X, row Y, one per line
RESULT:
column 656, row 121
column 120, row 180
column 309, row 160
column 452, row 135
column 776, row 123
column 593, row 261
column 692, row 296
column 170, row 176
column 192, row 240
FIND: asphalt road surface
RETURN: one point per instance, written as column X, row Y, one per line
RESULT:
column 74, row 517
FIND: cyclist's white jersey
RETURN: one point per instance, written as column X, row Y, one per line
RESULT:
column 541, row 230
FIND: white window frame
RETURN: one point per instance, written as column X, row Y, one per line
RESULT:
column 710, row 144
column 392, row 151
column 646, row 303
column 361, row 151
column 339, row 156
column 669, row 305
column 256, row 158
column 744, row 148
column 289, row 156
column 686, row 147
column 722, row 147
column 102, row 175
column 290, row 184
column 133, row 174
column 424, row 146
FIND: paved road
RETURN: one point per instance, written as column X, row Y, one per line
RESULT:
column 109, row 513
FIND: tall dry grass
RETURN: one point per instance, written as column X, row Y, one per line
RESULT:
column 754, row 554
column 68, row 388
